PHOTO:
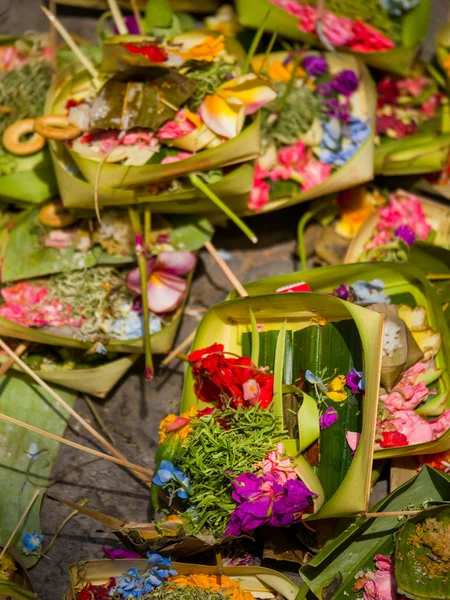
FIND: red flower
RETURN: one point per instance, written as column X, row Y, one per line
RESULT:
column 97, row 592
column 219, row 378
column 387, row 92
column 393, row 439
column 71, row 104
column 151, row 51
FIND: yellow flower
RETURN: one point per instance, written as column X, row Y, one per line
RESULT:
column 207, row 49
column 358, row 204
column 446, row 64
column 224, row 112
column 336, row 389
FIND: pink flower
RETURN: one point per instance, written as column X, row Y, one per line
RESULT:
column 259, row 196
column 178, row 128
column 166, row 288
column 280, row 172
column 442, row 424
column 314, row 173
column 353, row 438
column 406, row 394
column 292, row 156
column 416, row 429
column 251, row 391
column 368, row 39
column 430, row 105
column 381, row 584
column 413, row 86
column 173, row 159
column 138, row 136
column 277, row 465
column 338, row 30
column 58, row 238
column 307, row 16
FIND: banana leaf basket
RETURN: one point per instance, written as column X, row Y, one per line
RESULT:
column 262, row 582
column 436, row 213
column 31, row 178
column 414, row 26
column 360, row 167
column 342, row 561
column 290, row 322
column 14, row 582
column 403, row 283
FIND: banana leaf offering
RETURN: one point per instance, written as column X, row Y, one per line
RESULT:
column 98, row 308
column 316, row 136
column 158, row 578
column 391, row 557
column 413, row 136
column 269, row 431
column 178, row 5
column 414, row 406
column 24, row 80
column 393, row 232
column 196, row 117
column 385, row 34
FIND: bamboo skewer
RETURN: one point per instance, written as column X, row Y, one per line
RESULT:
column 117, row 17
column 184, row 344
column 9, row 363
column 394, row 513
column 63, row 403
column 137, row 16
column 87, row 64
column 61, row 440
column 19, row 523
column 226, row 270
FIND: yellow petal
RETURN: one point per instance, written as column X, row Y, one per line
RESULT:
column 252, row 90
column 224, row 116
column 336, row 389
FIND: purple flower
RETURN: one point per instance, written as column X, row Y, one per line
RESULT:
column 345, row 83
column 328, row 418
column 315, row 65
column 342, row 292
column 337, row 109
column 291, row 504
column 119, row 553
column 406, row 234
column 355, row 380
column 132, row 26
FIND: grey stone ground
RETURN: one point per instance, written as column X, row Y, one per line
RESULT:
column 134, row 410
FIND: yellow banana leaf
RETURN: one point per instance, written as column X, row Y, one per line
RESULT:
column 405, row 284
column 437, row 214
column 290, row 317
column 262, row 582
column 398, row 60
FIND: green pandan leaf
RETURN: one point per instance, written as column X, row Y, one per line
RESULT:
column 190, row 232
column 158, row 13
column 255, row 340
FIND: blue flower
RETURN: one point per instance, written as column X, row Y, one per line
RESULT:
column 168, row 473
column 137, row 586
column 33, row 451
column 396, row 8
column 340, row 142
column 315, row 381
column 366, row 292
column 32, row 542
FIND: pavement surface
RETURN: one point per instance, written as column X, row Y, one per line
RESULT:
column 133, row 411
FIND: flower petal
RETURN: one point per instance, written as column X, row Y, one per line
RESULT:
column 175, row 263
column 224, row 116
column 252, row 90
column 133, row 280
column 165, row 292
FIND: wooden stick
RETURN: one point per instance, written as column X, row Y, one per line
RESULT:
column 19, row 523
column 72, row 45
column 53, row 36
column 226, row 270
column 394, row 513
column 61, row 440
column 184, row 344
column 9, row 363
column 117, row 17
column 137, row 16
column 436, row 276
column 63, row 403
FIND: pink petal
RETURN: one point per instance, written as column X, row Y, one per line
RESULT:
column 178, row 424
column 165, row 292
column 352, row 438
column 133, row 280
column 175, row 263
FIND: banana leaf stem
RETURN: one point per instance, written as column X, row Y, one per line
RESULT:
column 445, row 116
column 142, row 263
column 200, row 185
column 61, row 527
column 269, row 50
column 98, row 418
column 147, row 227
column 255, row 42
column 306, row 217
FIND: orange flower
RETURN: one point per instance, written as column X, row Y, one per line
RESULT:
column 215, row 583
column 183, row 430
column 446, row 64
column 207, row 49
column 276, row 70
